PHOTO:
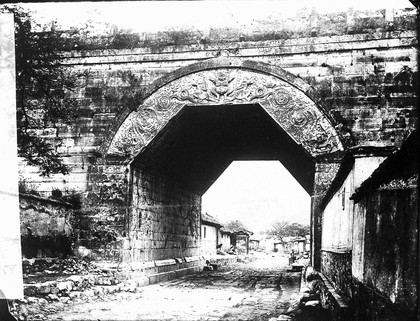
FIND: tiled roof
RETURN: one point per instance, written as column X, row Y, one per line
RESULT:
column 403, row 165
column 210, row 220
column 236, row 231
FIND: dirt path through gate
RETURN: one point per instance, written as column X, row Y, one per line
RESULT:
column 258, row 290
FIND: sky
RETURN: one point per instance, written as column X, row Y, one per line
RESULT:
column 152, row 16
column 257, row 193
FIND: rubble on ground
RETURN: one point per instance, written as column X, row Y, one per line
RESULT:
column 72, row 279
column 57, row 266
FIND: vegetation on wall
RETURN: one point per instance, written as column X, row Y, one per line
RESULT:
column 43, row 88
column 71, row 197
column 87, row 38
column 304, row 24
column 25, row 187
column 128, row 94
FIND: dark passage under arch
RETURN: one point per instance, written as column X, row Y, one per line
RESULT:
column 197, row 145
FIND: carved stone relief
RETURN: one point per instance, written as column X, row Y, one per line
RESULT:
column 291, row 108
column 324, row 175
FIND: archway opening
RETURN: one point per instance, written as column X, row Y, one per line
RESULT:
column 200, row 142
column 258, row 194
column 170, row 175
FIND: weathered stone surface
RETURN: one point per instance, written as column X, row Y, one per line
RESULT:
column 75, row 295
column 336, row 265
column 46, row 226
column 165, row 262
column 163, row 231
column 291, row 108
column 44, row 289
column 30, row 290
column 53, row 297
column 103, row 281
column 191, row 259
column 65, row 286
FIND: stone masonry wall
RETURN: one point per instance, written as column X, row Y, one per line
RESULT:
column 165, row 219
column 324, row 175
column 46, row 226
column 101, row 223
column 336, row 265
column 364, row 71
column 362, row 65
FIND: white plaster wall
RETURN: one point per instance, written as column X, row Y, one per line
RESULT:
column 225, row 240
column 364, row 167
column 338, row 218
column 338, row 225
column 208, row 239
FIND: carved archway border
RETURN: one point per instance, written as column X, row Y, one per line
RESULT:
column 287, row 98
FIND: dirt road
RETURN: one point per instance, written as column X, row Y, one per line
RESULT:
column 256, row 290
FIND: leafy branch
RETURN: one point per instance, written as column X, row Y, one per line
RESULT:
column 44, row 88
column 281, row 229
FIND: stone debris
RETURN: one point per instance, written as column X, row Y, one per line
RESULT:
column 57, row 266
column 49, row 280
column 88, row 285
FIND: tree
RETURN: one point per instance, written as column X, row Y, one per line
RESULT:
column 43, row 92
column 281, row 229
column 236, row 225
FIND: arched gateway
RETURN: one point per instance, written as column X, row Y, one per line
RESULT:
column 192, row 124
column 285, row 97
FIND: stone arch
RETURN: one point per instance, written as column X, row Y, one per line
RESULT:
column 291, row 102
